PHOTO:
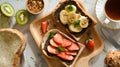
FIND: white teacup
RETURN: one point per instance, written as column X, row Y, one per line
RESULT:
column 112, row 11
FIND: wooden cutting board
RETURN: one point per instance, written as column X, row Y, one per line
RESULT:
column 85, row 56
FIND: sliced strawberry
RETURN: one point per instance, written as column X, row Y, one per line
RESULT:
column 73, row 47
column 51, row 49
column 44, row 26
column 66, row 49
column 66, row 43
column 53, row 43
column 71, row 53
column 58, row 38
column 64, row 56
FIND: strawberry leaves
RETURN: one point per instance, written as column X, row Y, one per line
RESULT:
column 60, row 49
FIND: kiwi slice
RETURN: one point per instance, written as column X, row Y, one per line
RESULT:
column 7, row 9
column 21, row 17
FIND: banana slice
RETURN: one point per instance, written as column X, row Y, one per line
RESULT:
column 70, row 8
column 75, row 29
column 84, row 22
column 78, row 16
column 71, row 17
column 63, row 17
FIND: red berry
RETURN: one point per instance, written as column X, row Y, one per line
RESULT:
column 44, row 26
column 90, row 44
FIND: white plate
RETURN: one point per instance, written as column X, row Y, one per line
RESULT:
column 101, row 15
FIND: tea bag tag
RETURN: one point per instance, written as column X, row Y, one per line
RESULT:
column 106, row 21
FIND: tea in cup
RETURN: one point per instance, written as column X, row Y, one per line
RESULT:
column 112, row 11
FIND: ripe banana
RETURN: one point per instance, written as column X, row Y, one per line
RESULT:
column 71, row 17
column 70, row 8
column 84, row 22
column 63, row 17
column 78, row 16
column 72, row 28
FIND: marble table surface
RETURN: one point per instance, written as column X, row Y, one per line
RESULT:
column 32, row 56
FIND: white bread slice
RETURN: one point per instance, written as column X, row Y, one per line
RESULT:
column 12, row 45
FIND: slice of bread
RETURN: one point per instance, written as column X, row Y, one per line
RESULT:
column 56, row 59
column 80, row 9
column 12, row 45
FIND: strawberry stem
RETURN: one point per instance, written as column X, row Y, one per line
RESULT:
column 89, row 35
column 51, row 34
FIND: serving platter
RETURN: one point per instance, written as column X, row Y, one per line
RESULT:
column 84, row 57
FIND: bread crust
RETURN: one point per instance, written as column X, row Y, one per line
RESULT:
column 17, row 57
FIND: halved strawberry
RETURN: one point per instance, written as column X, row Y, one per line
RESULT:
column 73, row 47
column 58, row 38
column 64, row 56
column 73, row 53
column 66, row 42
column 53, row 43
column 51, row 49
column 44, row 26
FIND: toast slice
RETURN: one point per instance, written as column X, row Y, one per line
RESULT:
column 79, row 10
column 12, row 45
column 49, row 51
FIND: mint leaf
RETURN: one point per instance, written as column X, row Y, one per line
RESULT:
column 51, row 34
column 60, row 49
column 76, row 23
column 70, row 8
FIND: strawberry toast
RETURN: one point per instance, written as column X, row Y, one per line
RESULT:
column 58, row 45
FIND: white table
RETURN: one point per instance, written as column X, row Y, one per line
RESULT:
column 32, row 56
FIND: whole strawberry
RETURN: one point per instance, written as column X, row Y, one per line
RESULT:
column 90, row 44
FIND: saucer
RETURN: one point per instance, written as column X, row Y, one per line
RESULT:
column 99, row 9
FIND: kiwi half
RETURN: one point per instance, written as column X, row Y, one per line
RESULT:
column 21, row 17
column 7, row 9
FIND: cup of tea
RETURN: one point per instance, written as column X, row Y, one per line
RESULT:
column 112, row 11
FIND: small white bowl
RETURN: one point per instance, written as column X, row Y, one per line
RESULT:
column 35, row 6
